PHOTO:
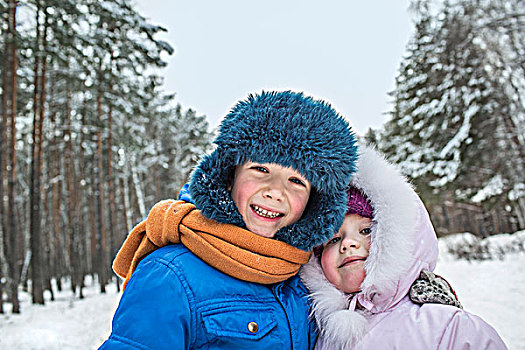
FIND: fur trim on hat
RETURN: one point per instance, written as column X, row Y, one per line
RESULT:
column 291, row 130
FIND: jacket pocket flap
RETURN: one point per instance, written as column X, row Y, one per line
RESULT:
column 239, row 321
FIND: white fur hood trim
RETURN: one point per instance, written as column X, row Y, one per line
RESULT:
column 403, row 243
column 336, row 323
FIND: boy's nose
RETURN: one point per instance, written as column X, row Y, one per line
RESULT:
column 273, row 193
column 274, row 190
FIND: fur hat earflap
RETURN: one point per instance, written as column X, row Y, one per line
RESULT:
column 292, row 130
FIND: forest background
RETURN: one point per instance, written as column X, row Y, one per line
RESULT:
column 90, row 140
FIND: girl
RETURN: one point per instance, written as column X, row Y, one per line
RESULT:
column 360, row 279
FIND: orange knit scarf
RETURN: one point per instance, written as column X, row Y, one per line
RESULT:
column 235, row 251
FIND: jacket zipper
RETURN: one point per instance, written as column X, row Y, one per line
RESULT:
column 275, row 294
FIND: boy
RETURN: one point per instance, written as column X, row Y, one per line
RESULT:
column 361, row 279
column 273, row 189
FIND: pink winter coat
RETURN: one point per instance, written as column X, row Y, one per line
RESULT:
column 403, row 243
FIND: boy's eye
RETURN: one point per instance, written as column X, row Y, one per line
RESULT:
column 366, row 231
column 260, row 168
column 334, row 240
column 298, row 181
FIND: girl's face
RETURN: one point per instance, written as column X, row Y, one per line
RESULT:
column 344, row 255
column 269, row 196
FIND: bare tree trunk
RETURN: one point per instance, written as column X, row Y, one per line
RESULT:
column 111, row 189
column 520, row 212
column 93, row 226
column 36, row 161
column 124, row 218
column 40, row 154
column 13, row 235
column 3, row 219
column 3, row 158
column 48, row 246
column 446, row 220
column 156, row 182
column 101, row 229
column 496, row 222
column 49, row 269
column 134, row 209
column 56, row 199
column 82, row 203
column 72, row 201
column 126, row 200
column 2, row 293
column 139, row 192
column 124, row 210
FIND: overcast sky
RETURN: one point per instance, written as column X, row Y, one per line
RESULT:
column 344, row 51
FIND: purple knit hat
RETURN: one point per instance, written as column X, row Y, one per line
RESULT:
column 358, row 203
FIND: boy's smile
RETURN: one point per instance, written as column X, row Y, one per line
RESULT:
column 267, row 213
column 343, row 257
column 269, row 196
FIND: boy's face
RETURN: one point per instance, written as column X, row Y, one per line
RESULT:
column 269, row 196
column 344, row 255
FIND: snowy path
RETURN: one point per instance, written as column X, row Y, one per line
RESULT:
column 491, row 289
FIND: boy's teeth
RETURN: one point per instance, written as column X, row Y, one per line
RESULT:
column 265, row 213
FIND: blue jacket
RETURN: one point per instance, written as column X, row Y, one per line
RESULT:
column 174, row 300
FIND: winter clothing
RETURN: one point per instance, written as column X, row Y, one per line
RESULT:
column 175, row 300
column 403, row 243
column 230, row 249
column 357, row 203
column 292, row 130
column 432, row 288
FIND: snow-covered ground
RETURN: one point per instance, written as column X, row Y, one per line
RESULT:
column 492, row 289
column 66, row 323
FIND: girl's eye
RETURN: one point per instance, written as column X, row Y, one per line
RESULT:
column 366, row 231
column 297, row 181
column 334, row 240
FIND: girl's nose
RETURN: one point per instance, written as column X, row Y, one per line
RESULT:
column 348, row 243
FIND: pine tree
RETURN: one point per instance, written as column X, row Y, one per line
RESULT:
column 88, row 118
column 455, row 128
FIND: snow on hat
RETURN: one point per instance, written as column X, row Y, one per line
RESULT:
column 358, row 203
column 292, row 130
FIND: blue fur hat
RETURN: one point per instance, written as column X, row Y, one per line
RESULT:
column 291, row 130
